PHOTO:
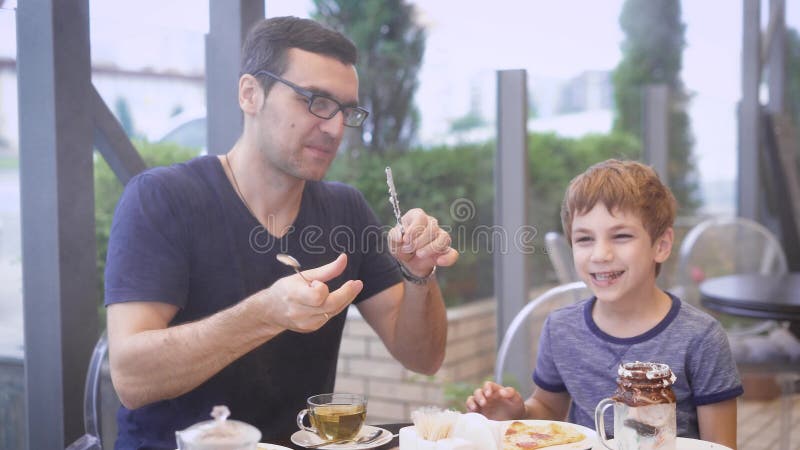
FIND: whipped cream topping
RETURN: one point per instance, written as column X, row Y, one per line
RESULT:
column 642, row 383
column 652, row 371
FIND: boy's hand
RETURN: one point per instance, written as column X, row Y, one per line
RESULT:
column 497, row 402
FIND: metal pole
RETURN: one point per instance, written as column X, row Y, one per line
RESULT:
column 58, row 237
column 748, row 181
column 656, row 128
column 229, row 21
column 775, row 56
column 511, row 274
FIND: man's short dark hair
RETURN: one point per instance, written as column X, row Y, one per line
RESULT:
column 267, row 43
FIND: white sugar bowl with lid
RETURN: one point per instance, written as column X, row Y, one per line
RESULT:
column 219, row 434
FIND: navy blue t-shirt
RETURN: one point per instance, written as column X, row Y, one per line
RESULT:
column 182, row 236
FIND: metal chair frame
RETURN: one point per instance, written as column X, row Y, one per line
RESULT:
column 521, row 317
column 560, row 254
column 773, row 260
column 91, row 440
column 773, row 254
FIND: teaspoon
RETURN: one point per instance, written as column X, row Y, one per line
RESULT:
column 366, row 439
column 293, row 263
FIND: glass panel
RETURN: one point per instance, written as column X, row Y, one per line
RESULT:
column 12, row 398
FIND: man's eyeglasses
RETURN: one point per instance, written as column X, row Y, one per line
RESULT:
column 322, row 106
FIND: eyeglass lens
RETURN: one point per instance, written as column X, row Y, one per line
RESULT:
column 322, row 106
column 326, row 108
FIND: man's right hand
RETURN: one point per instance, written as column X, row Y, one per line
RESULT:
column 497, row 402
column 294, row 305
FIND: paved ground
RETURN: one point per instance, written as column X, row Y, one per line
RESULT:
column 759, row 423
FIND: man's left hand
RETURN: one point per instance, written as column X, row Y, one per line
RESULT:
column 423, row 245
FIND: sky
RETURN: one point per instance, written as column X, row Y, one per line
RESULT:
column 469, row 40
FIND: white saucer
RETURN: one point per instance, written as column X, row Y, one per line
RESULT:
column 687, row 444
column 305, row 438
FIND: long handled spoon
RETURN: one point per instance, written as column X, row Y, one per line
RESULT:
column 290, row 261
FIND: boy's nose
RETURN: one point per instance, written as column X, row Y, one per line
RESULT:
column 601, row 252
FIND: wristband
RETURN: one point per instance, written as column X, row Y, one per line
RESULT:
column 420, row 281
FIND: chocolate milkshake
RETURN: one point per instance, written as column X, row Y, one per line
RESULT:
column 644, row 412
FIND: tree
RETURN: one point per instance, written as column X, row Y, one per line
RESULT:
column 473, row 118
column 793, row 82
column 468, row 121
column 653, row 53
column 390, row 48
column 124, row 116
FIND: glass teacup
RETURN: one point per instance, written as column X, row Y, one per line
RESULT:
column 334, row 416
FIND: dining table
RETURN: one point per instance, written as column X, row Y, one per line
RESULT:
column 394, row 444
column 756, row 296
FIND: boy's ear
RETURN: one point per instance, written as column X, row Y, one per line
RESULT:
column 663, row 245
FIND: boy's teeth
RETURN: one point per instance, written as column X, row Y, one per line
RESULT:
column 607, row 275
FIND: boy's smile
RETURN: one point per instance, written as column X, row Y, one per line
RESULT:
column 614, row 255
column 607, row 277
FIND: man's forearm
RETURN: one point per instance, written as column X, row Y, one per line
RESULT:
column 421, row 328
column 159, row 364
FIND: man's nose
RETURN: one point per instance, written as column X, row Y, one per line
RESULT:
column 334, row 126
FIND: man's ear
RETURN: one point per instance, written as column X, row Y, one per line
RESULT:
column 251, row 94
column 663, row 245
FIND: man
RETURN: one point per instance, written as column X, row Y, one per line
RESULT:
column 200, row 312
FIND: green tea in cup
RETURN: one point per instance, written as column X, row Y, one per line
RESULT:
column 334, row 416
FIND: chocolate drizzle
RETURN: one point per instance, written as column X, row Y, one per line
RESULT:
column 642, row 384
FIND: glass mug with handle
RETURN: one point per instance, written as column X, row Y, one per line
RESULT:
column 334, row 416
column 644, row 409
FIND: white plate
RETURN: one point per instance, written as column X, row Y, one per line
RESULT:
column 684, row 444
column 589, row 442
column 305, row 438
column 263, row 446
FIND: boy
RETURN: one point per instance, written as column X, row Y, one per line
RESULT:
column 618, row 219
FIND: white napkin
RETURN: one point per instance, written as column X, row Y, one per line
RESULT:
column 410, row 440
column 476, row 428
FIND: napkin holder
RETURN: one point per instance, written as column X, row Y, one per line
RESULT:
column 411, row 440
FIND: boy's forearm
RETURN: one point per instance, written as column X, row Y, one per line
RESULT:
column 717, row 422
column 544, row 405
